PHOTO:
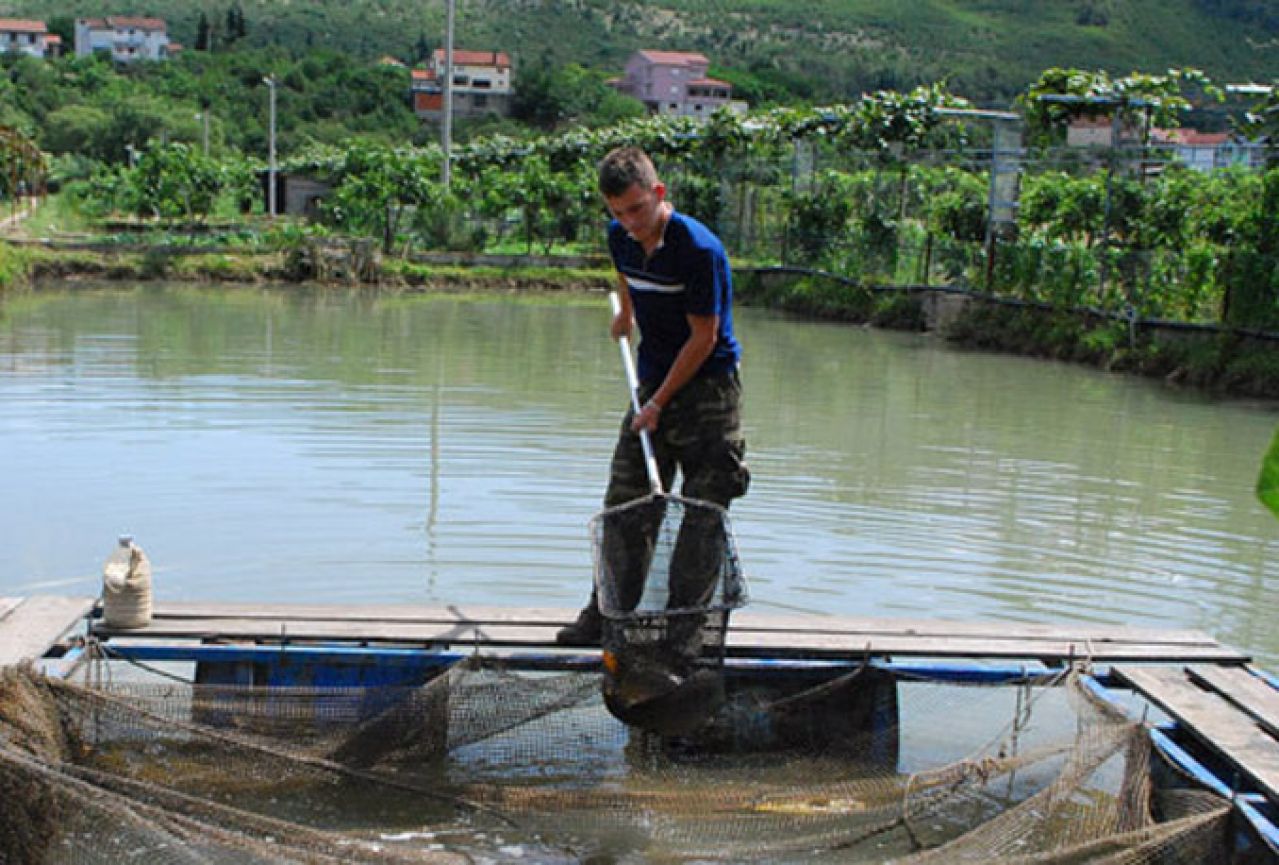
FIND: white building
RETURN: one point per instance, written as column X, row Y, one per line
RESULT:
column 1207, row 151
column 125, row 38
column 481, row 84
column 21, row 34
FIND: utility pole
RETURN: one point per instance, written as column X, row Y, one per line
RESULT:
column 204, row 115
column 270, row 187
column 446, row 132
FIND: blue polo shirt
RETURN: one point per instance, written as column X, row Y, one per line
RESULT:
column 688, row 274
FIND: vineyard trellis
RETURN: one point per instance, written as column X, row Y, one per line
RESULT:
column 895, row 189
column 25, row 167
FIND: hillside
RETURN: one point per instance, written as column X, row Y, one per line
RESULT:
column 822, row 50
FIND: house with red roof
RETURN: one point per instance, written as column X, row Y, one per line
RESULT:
column 25, row 35
column 481, row 84
column 1205, row 151
column 675, row 82
column 125, row 37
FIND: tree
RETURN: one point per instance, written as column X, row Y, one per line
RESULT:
column 236, row 27
column 202, row 34
column 422, row 48
column 549, row 94
column 379, row 185
column 64, row 27
column 1262, row 122
column 78, row 129
column 174, row 181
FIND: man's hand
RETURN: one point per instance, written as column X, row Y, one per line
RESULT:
column 649, row 416
column 622, row 325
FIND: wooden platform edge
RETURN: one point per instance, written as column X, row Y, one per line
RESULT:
column 8, row 604
column 1213, row 721
column 1250, row 694
column 35, row 624
column 1085, row 637
column 740, row 644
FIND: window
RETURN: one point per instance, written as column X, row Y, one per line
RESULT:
column 481, row 84
column 480, row 100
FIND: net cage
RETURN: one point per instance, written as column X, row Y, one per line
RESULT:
column 484, row 763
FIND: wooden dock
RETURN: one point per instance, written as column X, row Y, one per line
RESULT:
column 1206, row 688
column 29, row 627
column 750, row 634
column 1226, row 709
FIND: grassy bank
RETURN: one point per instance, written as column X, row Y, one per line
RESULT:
column 14, row 266
column 1212, row 360
column 40, row 263
column 1205, row 358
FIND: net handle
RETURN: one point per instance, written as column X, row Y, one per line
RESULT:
column 632, row 381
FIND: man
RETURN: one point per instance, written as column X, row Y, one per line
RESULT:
column 677, row 287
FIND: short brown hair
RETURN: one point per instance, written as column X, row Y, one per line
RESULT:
column 624, row 167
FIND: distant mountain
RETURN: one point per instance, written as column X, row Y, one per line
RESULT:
column 822, row 50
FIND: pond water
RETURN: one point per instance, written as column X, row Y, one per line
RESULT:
column 282, row 444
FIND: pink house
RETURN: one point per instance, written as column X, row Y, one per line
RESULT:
column 674, row 82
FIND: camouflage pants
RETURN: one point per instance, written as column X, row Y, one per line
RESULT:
column 700, row 433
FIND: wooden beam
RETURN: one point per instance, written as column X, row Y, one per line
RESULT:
column 7, row 604
column 740, row 622
column 31, row 628
column 743, row 643
column 1250, row 694
column 1213, row 721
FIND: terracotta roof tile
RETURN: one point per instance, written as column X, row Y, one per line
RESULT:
column 136, row 23
column 22, row 25
column 462, row 57
column 675, row 58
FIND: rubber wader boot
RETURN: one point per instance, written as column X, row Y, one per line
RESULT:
column 586, row 631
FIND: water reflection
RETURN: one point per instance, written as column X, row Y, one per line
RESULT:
column 339, row 446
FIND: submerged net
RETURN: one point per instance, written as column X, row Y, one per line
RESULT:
column 483, row 763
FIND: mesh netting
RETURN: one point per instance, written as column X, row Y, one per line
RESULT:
column 483, row 763
column 666, row 577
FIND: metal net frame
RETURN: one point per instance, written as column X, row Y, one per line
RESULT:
column 667, row 576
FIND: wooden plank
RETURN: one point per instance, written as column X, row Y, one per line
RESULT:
column 740, row 622
column 771, row 644
column 749, row 620
column 32, row 627
column 7, row 604
column 1213, row 721
column 1251, row 694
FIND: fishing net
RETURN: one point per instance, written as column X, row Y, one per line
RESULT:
column 666, row 578
column 483, row 763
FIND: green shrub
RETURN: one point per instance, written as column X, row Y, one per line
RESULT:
column 900, row 311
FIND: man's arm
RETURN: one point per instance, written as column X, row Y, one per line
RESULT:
column 624, row 321
column 703, row 331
